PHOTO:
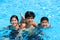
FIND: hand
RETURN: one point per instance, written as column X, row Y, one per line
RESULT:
column 34, row 24
column 22, row 16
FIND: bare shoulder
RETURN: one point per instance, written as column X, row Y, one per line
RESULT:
column 35, row 24
column 49, row 25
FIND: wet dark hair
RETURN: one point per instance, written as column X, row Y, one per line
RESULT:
column 44, row 18
column 29, row 14
column 13, row 16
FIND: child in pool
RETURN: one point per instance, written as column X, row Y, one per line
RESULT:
column 14, row 27
column 27, row 21
column 44, row 24
column 15, row 22
column 29, row 16
column 22, row 22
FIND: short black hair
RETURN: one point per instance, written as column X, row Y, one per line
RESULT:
column 13, row 16
column 44, row 18
column 29, row 14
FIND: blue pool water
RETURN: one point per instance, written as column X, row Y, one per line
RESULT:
column 48, row 8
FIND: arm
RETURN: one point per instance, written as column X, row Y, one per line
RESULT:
column 22, row 16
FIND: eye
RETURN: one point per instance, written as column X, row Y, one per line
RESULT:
column 15, row 20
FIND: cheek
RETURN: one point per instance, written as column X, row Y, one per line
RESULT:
column 14, row 22
column 23, row 25
column 43, row 23
column 28, row 20
column 31, row 20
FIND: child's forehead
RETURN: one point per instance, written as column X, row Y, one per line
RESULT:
column 29, row 17
column 13, row 18
column 44, row 21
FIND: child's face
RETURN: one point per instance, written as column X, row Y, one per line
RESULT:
column 29, row 19
column 14, row 21
column 44, row 23
column 23, row 25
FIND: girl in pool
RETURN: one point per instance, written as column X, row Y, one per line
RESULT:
column 14, row 23
column 14, row 27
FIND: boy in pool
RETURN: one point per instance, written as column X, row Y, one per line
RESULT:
column 28, row 20
column 43, row 25
column 29, row 16
column 44, row 22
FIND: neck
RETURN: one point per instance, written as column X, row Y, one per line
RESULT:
column 17, row 26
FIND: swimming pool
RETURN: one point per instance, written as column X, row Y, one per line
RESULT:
column 48, row 8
